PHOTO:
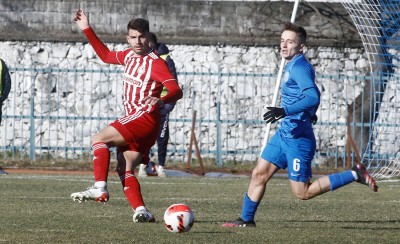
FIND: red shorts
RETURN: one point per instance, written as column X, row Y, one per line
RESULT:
column 140, row 131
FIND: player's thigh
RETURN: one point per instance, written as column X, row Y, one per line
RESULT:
column 264, row 170
column 274, row 153
column 110, row 136
column 299, row 154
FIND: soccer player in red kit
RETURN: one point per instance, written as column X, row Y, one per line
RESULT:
column 135, row 133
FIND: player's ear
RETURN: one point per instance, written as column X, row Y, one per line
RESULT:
column 302, row 47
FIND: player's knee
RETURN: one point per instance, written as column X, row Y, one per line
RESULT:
column 96, row 138
column 302, row 195
column 258, row 176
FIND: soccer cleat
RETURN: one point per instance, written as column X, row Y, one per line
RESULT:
column 161, row 171
column 143, row 216
column 142, row 171
column 239, row 223
column 98, row 194
column 364, row 177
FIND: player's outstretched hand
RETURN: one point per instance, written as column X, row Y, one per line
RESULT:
column 81, row 19
column 274, row 114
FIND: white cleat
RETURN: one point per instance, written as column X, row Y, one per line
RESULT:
column 142, row 171
column 161, row 171
column 143, row 216
column 98, row 194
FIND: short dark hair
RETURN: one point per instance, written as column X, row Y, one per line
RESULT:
column 153, row 39
column 300, row 31
column 139, row 24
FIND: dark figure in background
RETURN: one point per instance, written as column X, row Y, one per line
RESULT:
column 5, row 84
column 5, row 87
column 162, row 140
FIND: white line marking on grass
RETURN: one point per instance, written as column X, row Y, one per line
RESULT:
column 169, row 181
column 383, row 181
column 123, row 199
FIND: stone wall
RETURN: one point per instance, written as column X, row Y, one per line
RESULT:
column 61, row 89
column 178, row 21
column 211, row 36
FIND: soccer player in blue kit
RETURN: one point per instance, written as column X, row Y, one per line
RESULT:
column 293, row 145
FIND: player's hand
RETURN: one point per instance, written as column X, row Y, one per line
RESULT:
column 153, row 101
column 274, row 114
column 81, row 19
column 314, row 119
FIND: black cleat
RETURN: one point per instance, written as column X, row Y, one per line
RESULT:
column 364, row 177
column 239, row 223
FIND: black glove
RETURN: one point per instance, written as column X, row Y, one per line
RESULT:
column 314, row 119
column 274, row 114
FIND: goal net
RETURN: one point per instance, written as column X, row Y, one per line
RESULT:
column 378, row 23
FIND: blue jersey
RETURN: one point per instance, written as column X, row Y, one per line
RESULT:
column 300, row 98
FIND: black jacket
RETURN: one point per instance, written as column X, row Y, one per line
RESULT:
column 5, row 81
column 163, row 52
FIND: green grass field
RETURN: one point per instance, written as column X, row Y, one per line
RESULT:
column 37, row 209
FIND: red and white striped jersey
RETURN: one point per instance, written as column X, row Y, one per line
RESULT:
column 144, row 75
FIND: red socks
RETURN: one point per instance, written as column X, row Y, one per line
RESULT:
column 101, row 161
column 132, row 189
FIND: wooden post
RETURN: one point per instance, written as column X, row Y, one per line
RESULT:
column 189, row 159
column 198, row 155
column 351, row 145
column 193, row 140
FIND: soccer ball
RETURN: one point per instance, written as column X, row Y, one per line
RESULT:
column 178, row 218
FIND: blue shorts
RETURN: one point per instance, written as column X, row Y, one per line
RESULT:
column 294, row 154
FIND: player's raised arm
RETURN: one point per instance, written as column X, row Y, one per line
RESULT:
column 107, row 56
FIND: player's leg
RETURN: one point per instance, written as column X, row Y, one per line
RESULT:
column 127, row 161
column 300, row 153
column 140, row 132
column 261, row 174
column 162, row 144
column 108, row 137
column 305, row 190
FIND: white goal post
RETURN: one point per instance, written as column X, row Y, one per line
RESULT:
column 378, row 24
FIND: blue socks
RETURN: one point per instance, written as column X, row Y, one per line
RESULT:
column 249, row 208
column 340, row 179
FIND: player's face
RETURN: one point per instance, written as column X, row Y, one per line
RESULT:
column 290, row 45
column 139, row 42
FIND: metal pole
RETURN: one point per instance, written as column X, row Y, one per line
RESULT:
column 279, row 78
column 32, row 145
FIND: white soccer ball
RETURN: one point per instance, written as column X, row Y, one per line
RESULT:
column 178, row 218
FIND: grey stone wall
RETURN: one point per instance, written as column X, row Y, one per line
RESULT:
column 76, row 94
column 177, row 21
column 215, row 36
